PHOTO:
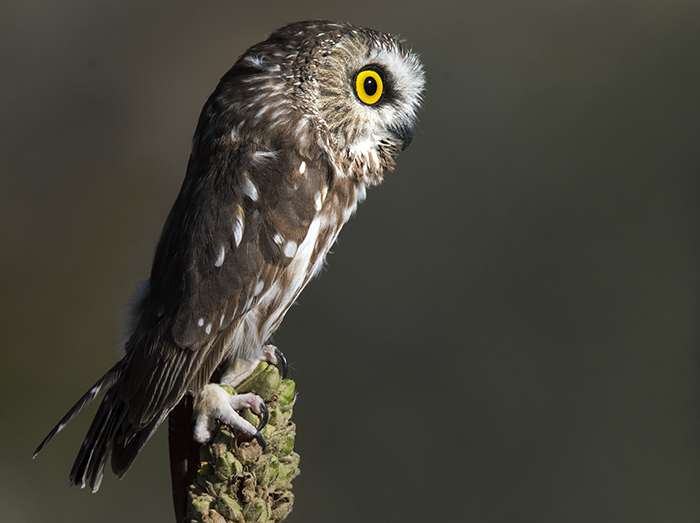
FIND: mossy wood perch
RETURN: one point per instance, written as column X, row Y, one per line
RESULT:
column 231, row 480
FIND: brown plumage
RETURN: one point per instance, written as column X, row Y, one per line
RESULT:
column 284, row 150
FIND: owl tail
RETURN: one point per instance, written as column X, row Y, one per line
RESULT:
column 88, row 468
column 106, row 434
column 110, row 433
column 105, row 383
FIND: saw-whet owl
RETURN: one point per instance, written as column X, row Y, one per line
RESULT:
column 284, row 150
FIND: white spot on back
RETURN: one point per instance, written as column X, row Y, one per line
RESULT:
column 278, row 113
column 318, row 200
column 302, row 167
column 238, row 227
column 220, row 260
column 290, row 249
column 208, row 328
column 249, row 188
column 259, row 287
column 221, row 321
column 259, row 156
column 277, row 238
column 261, row 112
column 248, row 302
column 200, row 322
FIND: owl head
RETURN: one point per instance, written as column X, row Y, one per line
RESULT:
column 327, row 88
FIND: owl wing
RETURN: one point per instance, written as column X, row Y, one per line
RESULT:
column 223, row 246
column 225, row 242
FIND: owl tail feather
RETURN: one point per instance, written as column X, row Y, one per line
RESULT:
column 105, row 383
column 88, row 468
column 109, row 420
column 111, row 432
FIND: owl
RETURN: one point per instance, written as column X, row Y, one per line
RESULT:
column 284, row 150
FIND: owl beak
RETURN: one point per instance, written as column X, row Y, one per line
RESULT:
column 404, row 133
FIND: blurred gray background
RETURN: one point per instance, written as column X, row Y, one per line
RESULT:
column 508, row 329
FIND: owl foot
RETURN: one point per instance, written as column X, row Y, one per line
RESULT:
column 214, row 403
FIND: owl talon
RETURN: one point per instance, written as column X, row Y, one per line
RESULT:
column 273, row 355
column 265, row 415
column 260, row 439
column 283, row 361
column 216, row 429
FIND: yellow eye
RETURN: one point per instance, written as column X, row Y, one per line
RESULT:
column 369, row 86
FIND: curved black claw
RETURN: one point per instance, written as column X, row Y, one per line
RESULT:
column 217, row 428
column 283, row 361
column 261, row 441
column 265, row 416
